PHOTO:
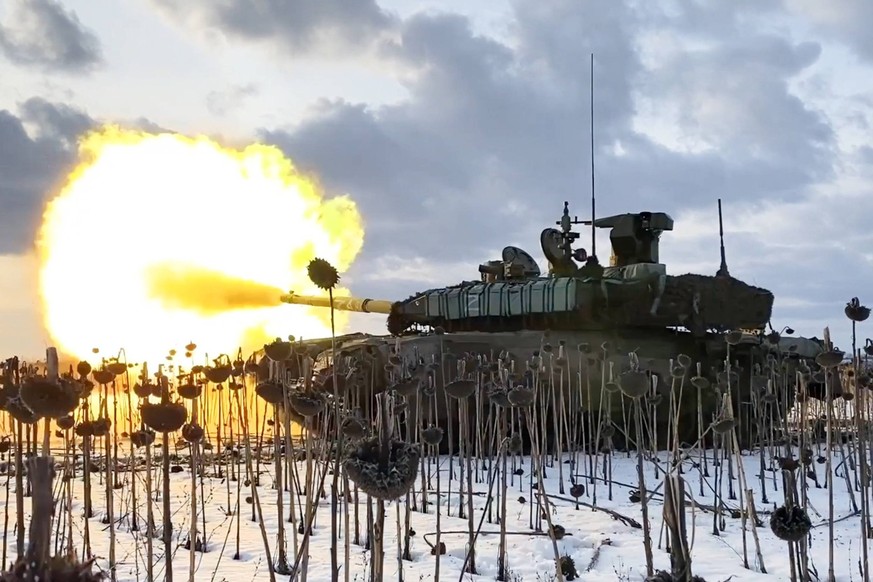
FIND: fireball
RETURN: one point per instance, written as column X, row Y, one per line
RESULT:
column 158, row 240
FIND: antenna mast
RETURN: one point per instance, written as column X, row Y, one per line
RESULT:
column 722, row 269
column 593, row 257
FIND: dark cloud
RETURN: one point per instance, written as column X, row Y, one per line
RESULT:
column 42, row 33
column 56, row 122
column 301, row 27
column 28, row 168
column 734, row 97
column 37, row 152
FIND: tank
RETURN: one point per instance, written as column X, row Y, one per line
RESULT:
column 577, row 328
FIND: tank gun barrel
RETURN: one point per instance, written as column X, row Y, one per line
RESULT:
column 340, row 303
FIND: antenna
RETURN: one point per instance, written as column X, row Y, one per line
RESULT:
column 593, row 257
column 722, row 269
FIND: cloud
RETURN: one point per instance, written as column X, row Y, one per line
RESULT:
column 846, row 21
column 220, row 103
column 691, row 104
column 494, row 136
column 733, row 99
column 298, row 27
column 42, row 33
column 486, row 148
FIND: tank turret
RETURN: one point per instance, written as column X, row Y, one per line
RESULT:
column 634, row 292
column 578, row 293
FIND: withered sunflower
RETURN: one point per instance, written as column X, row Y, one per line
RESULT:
column 323, row 274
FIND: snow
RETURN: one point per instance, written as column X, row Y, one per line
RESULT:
column 602, row 547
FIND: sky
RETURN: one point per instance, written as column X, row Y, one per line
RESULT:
column 459, row 127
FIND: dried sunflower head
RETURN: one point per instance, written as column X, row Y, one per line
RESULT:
column 323, row 274
column 47, row 398
column 857, row 312
column 306, row 405
column 383, row 480
column 164, row 417
column 354, row 428
column 790, row 524
column 829, row 359
column 271, row 392
column 433, row 435
column 634, row 384
column 193, row 433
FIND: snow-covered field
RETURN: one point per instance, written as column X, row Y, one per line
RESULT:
column 602, row 546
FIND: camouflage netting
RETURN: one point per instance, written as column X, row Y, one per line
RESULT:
column 386, row 481
column 721, row 301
